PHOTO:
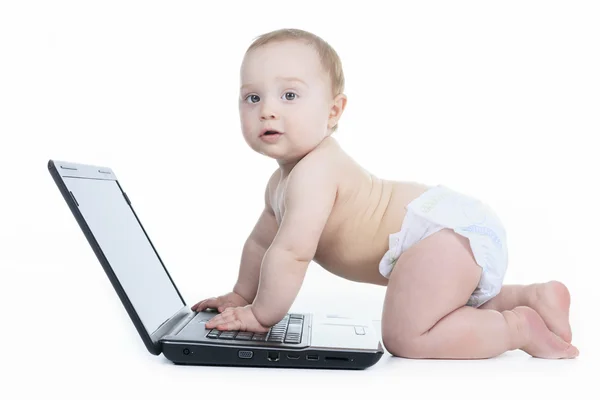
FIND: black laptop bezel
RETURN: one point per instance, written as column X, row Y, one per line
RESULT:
column 151, row 341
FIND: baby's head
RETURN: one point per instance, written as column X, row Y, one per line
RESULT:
column 292, row 82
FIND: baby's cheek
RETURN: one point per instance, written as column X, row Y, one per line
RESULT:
column 306, row 122
column 246, row 128
column 244, row 117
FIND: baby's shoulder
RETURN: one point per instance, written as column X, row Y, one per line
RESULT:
column 319, row 164
column 325, row 158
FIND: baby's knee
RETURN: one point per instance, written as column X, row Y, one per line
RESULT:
column 402, row 344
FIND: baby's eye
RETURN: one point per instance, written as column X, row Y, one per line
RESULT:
column 253, row 98
column 290, row 95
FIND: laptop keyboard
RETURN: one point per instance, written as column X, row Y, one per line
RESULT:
column 288, row 330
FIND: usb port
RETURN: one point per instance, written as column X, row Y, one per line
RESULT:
column 312, row 357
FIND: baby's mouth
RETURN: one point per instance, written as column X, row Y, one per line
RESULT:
column 271, row 133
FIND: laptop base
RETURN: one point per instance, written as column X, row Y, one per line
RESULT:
column 201, row 354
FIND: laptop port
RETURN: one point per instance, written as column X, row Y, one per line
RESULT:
column 343, row 359
column 312, row 357
column 273, row 356
column 245, row 354
column 293, row 356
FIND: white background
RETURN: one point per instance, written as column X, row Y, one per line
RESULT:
column 496, row 99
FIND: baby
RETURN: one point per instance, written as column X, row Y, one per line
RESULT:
column 441, row 254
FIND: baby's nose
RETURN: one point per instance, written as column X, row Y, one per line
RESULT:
column 267, row 112
column 268, row 115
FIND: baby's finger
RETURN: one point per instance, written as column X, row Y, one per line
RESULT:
column 222, row 320
column 209, row 303
column 213, row 322
column 218, row 319
column 197, row 306
column 234, row 325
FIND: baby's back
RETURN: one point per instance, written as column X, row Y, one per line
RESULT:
column 366, row 211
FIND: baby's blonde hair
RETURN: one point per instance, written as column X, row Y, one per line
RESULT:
column 331, row 62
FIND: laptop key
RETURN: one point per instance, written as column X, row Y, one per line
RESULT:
column 244, row 336
column 295, row 329
column 259, row 337
column 228, row 334
column 213, row 334
column 277, row 337
column 292, row 339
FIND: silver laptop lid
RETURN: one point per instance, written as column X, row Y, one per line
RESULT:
column 116, row 235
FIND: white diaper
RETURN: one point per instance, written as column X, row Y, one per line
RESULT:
column 441, row 207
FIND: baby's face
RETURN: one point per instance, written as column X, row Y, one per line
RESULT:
column 285, row 89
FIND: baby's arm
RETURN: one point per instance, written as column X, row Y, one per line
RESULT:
column 255, row 248
column 309, row 198
column 253, row 252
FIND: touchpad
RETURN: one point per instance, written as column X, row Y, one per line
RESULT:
column 342, row 333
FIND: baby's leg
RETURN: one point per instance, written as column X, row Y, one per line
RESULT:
column 425, row 316
column 551, row 300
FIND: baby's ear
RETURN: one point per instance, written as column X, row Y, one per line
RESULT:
column 337, row 109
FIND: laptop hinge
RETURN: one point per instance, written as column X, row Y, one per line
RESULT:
column 174, row 324
column 182, row 324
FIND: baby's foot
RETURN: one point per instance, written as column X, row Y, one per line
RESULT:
column 539, row 341
column 552, row 301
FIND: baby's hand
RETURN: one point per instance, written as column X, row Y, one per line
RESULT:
column 220, row 303
column 237, row 319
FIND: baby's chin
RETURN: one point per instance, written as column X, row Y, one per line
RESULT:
column 284, row 151
column 285, row 156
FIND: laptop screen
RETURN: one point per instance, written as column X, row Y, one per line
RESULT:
column 127, row 249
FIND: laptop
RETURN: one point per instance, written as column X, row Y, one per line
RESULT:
column 161, row 316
